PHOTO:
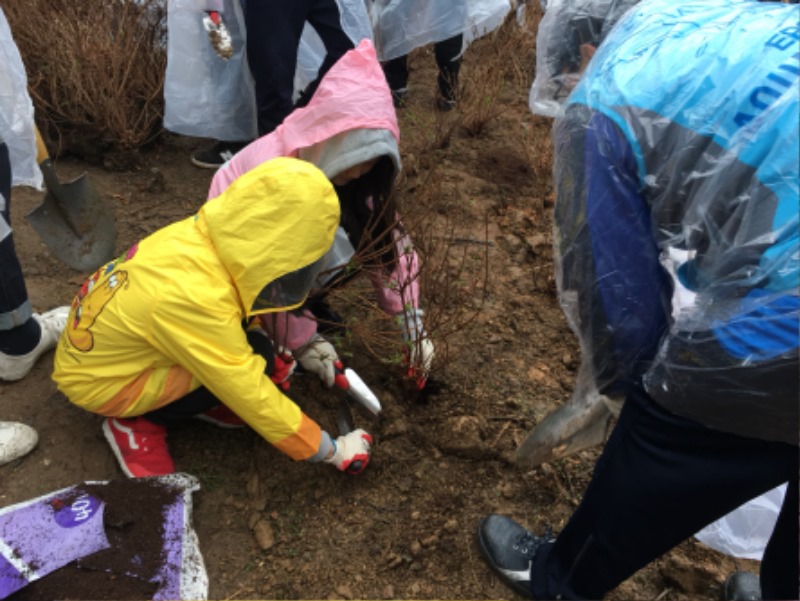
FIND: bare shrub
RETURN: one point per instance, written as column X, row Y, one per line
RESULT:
column 499, row 65
column 453, row 279
column 95, row 67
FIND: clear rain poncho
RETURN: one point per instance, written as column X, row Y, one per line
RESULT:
column 209, row 97
column 677, row 213
column 400, row 26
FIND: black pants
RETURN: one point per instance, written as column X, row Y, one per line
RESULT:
column 201, row 399
column 446, row 51
column 660, row 479
column 274, row 28
column 15, row 309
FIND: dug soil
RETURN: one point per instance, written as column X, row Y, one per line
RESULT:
column 476, row 189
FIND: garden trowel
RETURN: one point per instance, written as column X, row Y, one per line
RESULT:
column 72, row 220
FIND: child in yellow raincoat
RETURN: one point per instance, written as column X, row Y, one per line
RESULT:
column 158, row 333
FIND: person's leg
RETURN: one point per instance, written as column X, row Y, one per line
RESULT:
column 324, row 17
column 660, row 479
column 448, row 61
column 15, row 309
column 274, row 28
column 140, row 443
column 24, row 336
column 396, row 72
column 779, row 566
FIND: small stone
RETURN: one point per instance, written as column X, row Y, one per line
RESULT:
column 259, row 502
column 345, row 591
column 253, row 485
column 415, row 548
column 388, row 592
column 265, row 537
column 451, row 525
column 430, row 541
column 415, row 515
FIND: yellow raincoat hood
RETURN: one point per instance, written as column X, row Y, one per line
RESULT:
column 263, row 242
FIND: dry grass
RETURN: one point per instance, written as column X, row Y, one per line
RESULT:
column 94, row 66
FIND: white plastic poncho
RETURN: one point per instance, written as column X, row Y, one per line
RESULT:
column 400, row 26
column 16, row 112
column 209, row 97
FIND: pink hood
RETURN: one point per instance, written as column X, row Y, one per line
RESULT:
column 353, row 95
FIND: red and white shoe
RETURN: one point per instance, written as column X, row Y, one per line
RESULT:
column 140, row 446
column 222, row 417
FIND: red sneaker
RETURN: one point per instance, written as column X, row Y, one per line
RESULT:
column 221, row 416
column 140, row 446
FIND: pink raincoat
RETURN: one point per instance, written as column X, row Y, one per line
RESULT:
column 352, row 97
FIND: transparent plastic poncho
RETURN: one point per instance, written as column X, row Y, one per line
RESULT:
column 565, row 25
column 16, row 112
column 210, row 97
column 400, row 26
column 677, row 213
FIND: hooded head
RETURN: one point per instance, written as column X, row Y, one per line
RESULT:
column 567, row 29
column 351, row 107
column 270, row 228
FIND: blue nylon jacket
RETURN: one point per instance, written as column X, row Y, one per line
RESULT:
column 677, row 212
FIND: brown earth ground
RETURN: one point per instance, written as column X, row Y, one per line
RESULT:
column 476, row 185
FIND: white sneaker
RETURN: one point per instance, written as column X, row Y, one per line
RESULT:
column 16, row 367
column 16, row 440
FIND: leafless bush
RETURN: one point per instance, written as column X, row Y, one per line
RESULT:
column 95, row 67
column 498, row 64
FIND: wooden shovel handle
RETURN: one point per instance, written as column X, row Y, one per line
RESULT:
column 41, row 150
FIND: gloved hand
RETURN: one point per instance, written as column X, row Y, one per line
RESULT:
column 319, row 357
column 420, row 351
column 349, row 449
column 284, row 368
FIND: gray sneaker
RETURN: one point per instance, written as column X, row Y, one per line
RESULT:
column 51, row 323
column 510, row 549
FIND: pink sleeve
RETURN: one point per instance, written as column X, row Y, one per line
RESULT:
column 289, row 329
column 400, row 288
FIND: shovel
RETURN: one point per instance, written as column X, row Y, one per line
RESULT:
column 72, row 220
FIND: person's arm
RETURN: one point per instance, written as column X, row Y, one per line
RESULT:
column 214, row 349
column 612, row 285
column 397, row 292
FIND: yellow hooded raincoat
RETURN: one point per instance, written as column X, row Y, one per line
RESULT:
column 166, row 317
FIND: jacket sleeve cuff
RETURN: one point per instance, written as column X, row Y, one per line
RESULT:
column 325, row 447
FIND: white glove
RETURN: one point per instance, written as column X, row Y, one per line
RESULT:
column 349, row 449
column 318, row 357
column 420, row 347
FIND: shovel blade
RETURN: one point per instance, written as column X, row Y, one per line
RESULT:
column 579, row 424
column 76, row 225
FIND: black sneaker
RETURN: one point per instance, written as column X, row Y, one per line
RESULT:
column 509, row 548
column 399, row 97
column 741, row 586
column 444, row 105
column 216, row 156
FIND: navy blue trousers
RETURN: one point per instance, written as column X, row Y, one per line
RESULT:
column 660, row 479
column 274, row 28
column 15, row 309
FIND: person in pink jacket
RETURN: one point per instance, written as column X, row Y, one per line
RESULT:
column 349, row 130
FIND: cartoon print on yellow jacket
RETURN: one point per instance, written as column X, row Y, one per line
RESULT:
column 167, row 318
column 92, row 298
